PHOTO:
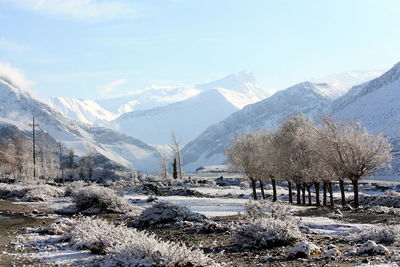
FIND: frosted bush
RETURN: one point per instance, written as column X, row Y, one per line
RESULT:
column 164, row 212
column 391, row 199
column 259, row 209
column 30, row 193
column 58, row 227
column 380, row 233
column 128, row 247
column 392, row 193
column 96, row 199
column 384, row 210
column 267, row 233
column 74, row 186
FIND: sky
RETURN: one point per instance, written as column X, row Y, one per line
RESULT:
column 100, row 48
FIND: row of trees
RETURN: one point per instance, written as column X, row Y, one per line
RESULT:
column 307, row 155
column 16, row 159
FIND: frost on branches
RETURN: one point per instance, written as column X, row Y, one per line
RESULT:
column 122, row 246
column 267, row 233
column 384, row 234
column 29, row 193
column 95, row 199
column 163, row 212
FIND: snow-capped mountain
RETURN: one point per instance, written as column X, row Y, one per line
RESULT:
column 375, row 104
column 186, row 119
column 243, row 84
column 83, row 110
column 347, row 80
column 208, row 148
column 17, row 107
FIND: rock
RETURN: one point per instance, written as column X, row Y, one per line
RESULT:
column 365, row 261
column 371, row 248
column 335, row 216
column 151, row 199
column 352, row 251
column 304, row 249
column 266, row 259
column 331, row 246
column 332, row 253
column 35, row 211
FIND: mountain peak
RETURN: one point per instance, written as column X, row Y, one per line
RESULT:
column 326, row 90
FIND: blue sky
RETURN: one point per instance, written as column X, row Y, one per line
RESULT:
column 90, row 49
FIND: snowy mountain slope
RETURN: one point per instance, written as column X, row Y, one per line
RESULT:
column 186, row 119
column 243, row 84
column 208, row 148
column 18, row 106
column 375, row 104
column 347, row 80
column 82, row 110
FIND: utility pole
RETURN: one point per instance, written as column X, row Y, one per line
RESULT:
column 61, row 163
column 33, row 125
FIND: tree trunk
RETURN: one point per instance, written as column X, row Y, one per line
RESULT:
column 262, row 190
column 341, row 183
column 317, row 188
column 303, row 191
column 298, row 193
column 253, row 184
column 324, row 197
column 274, row 195
column 355, row 186
column 309, row 195
column 290, row 192
column 330, row 188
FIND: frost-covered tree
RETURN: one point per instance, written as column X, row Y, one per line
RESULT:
column 353, row 152
column 294, row 139
column 163, row 162
column 241, row 155
column 265, row 156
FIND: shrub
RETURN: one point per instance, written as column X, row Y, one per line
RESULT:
column 260, row 209
column 128, row 247
column 29, row 193
column 267, row 233
column 380, row 234
column 96, row 199
column 74, row 186
column 58, row 227
column 163, row 212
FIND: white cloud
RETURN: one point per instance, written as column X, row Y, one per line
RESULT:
column 14, row 76
column 87, row 10
column 111, row 87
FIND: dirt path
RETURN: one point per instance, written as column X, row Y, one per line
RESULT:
column 13, row 220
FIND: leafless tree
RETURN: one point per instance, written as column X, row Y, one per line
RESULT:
column 353, row 152
column 164, row 155
column 177, row 151
column 241, row 155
